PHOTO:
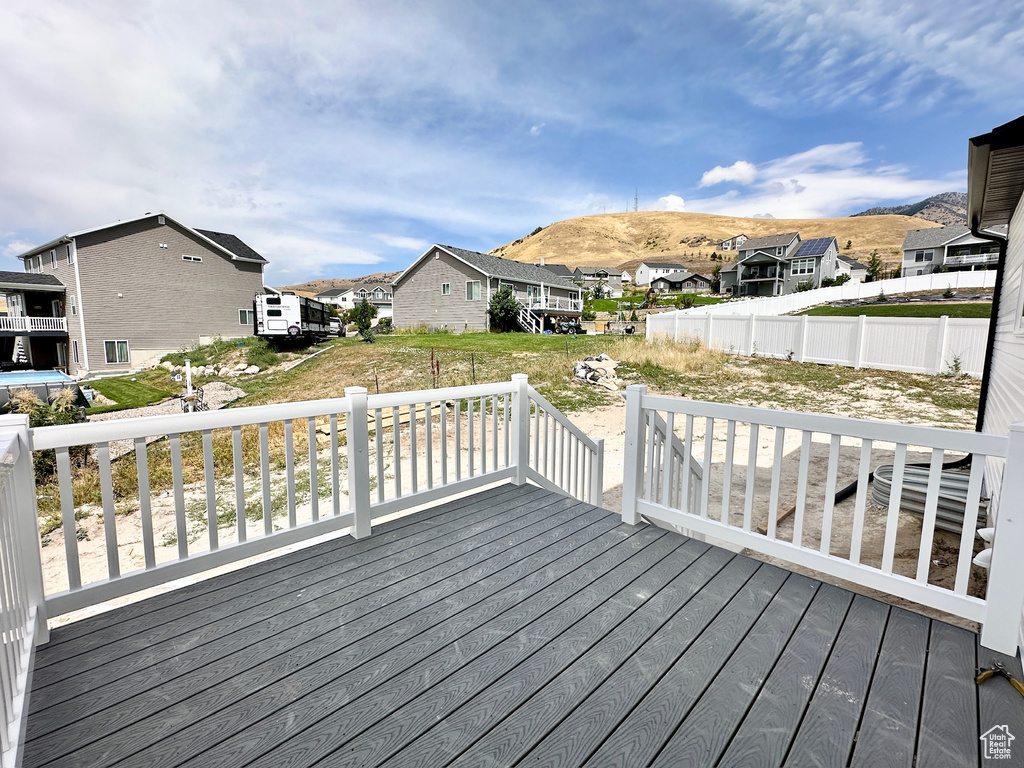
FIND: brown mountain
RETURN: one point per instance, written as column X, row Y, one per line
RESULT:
column 624, row 240
column 313, row 287
column 946, row 209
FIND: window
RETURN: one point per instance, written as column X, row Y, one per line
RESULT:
column 116, row 351
column 245, row 317
column 53, row 258
column 274, row 313
column 923, row 256
column 273, row 300
column 191, row 258
column 778, row 251
column 74, row 350
column 803, row 267
column 472, row 290
column 72, row 304
column 70, row 253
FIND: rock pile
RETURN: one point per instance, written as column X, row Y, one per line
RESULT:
column 222, row 371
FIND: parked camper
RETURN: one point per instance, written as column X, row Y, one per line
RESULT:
column 290, row 316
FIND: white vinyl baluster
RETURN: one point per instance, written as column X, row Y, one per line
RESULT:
column 289, row 468
column 109, row 515
column 963, row 565
column 458, row 440
column 686, row 481
column 413, row 448
column 705, row 485
column 893, row 518
column 178, row 481
column 650, row 460
column 864, row 472
column 470, row 422
column 444, row 441
column 506, row 416
column 931, row 508
column 801, row 488
column 396, row 441
column 535, row 426
column 67, row 511
column 145, row 503
column 378, row 423
column 314, row 481
column 429, row 437
column 830, row 494
column 773, row 496
column 268, row 508
column 666, row 465
column 748, row 506
column 238, row 467
column 483, row 435
column 730, row 448
column 494, row 432
column 335, row 468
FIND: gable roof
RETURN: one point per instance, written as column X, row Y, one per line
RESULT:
column 221, row 241
column 493, row 266
column 331, row 293
column 851, row 262
column 933, row 237
column 814, row 247
column 727, row 239
column 771, row 241
column 30, row 280
column 557, row 269
column 678, row 277
column 594, row 270
column 663, row 265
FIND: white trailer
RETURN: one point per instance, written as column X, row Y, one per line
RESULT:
column 289, row 316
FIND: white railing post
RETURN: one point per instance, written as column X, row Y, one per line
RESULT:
column 1005, row 597
column 942, row 343
column 597, row 475
column 750, row 335
column 858, row 359
column 521, row 426
column 359, row 461
column 633, row 457
column 27, row 521
column 802, row 351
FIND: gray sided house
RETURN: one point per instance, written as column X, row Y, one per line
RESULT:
column 609, row 280
column 451, row 288
column 780, row 264
column 953, row 248
column 732, row 243
column 682, row 281
column 137, row 289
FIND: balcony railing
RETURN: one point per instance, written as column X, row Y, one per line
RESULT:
column 554, row 303
column 751, row 477
column 33, row 324
column 971, row 258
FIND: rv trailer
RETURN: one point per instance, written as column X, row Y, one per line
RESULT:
column 281, row 316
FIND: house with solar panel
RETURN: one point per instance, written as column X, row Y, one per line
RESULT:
column 779, row 264
column 449, row 288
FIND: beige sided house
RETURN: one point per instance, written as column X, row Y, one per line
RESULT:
column 451, row 288
column 140, row 288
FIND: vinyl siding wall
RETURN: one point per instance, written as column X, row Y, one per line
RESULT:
column 166, row 303
column 1006, row 385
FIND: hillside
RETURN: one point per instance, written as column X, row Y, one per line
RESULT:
column 946, row 209
column 313, row 287
column 624, row 240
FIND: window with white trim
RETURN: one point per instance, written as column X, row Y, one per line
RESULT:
column 74, row 350
column 116, row 352
column 923, row 256
column 802, row 267
column 53, row 258
column 186, row 257
column 446, row 289
column 70, row 253
column 472, row 290
column 72, row 304
column 245, row 317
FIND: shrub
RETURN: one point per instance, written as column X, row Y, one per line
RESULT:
column 258, row 351
column 804, row 285
column 385, row 325
column 504, row 310
column 362, row 315
column 60, row 410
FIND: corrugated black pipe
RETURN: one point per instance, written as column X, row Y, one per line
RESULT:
column 986, row 370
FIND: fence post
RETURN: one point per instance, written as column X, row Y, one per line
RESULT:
column 707, row 330
column 359, row 461
column 633, row 457
column 26, row 521
column 1005, row 597
column 803, row 338
column 750, row 335
column 943, row 343
column 858, row 358
column 597, row 475
column 521, row 426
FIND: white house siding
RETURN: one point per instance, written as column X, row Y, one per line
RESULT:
column 418, row 300
column 1005, row 403
column 133, row 290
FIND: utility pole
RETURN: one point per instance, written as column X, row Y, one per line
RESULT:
column 636, row 200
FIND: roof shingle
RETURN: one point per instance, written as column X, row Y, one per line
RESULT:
column 511, row 270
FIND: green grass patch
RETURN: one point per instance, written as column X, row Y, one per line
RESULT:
column 126, row 393
column 917, row 309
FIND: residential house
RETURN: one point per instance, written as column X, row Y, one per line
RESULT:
column 344, row 299
column 649, row 270
column 728, row 279
column 607, row 279
column 33, row 328
column 559, row 270
column 451, row 288
column 732, row 243
column 682, row 281
column 783, row 263
column 850, row 266
column 137, row 289
column 626, row 278
column 954, row 248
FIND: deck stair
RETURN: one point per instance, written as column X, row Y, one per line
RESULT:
column 529, row 320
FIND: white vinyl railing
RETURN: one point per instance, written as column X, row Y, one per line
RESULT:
column 563, row 303
column 794, row 302
column 30, row 324
column 767, row 480
column 911, row 344
column 21, row 622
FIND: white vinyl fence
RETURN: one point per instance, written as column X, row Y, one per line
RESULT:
column 911, row 344
column 794, row 302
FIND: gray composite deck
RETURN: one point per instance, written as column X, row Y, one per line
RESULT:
column 513, row 627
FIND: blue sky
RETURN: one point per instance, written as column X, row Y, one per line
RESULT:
column 343, row 138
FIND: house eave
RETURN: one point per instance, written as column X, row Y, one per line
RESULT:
column 994, row 181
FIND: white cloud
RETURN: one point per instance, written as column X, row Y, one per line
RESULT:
column 823, row 182
column 536, row 129
column 741, row 172
column 405, row 243
column 671, row 203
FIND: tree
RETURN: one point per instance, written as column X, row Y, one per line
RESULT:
column 849, row 244
column 875, row 267
column 362, row 315
column 716, row 278
column 504, row 310
column 598, row 291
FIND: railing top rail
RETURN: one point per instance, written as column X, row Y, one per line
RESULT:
column 175, row 423
column 394, row 399
column 573, row 429
column 933, row 437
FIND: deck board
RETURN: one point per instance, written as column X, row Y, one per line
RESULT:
column 512, row 627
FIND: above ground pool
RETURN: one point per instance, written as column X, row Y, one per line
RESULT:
column 45, row 384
